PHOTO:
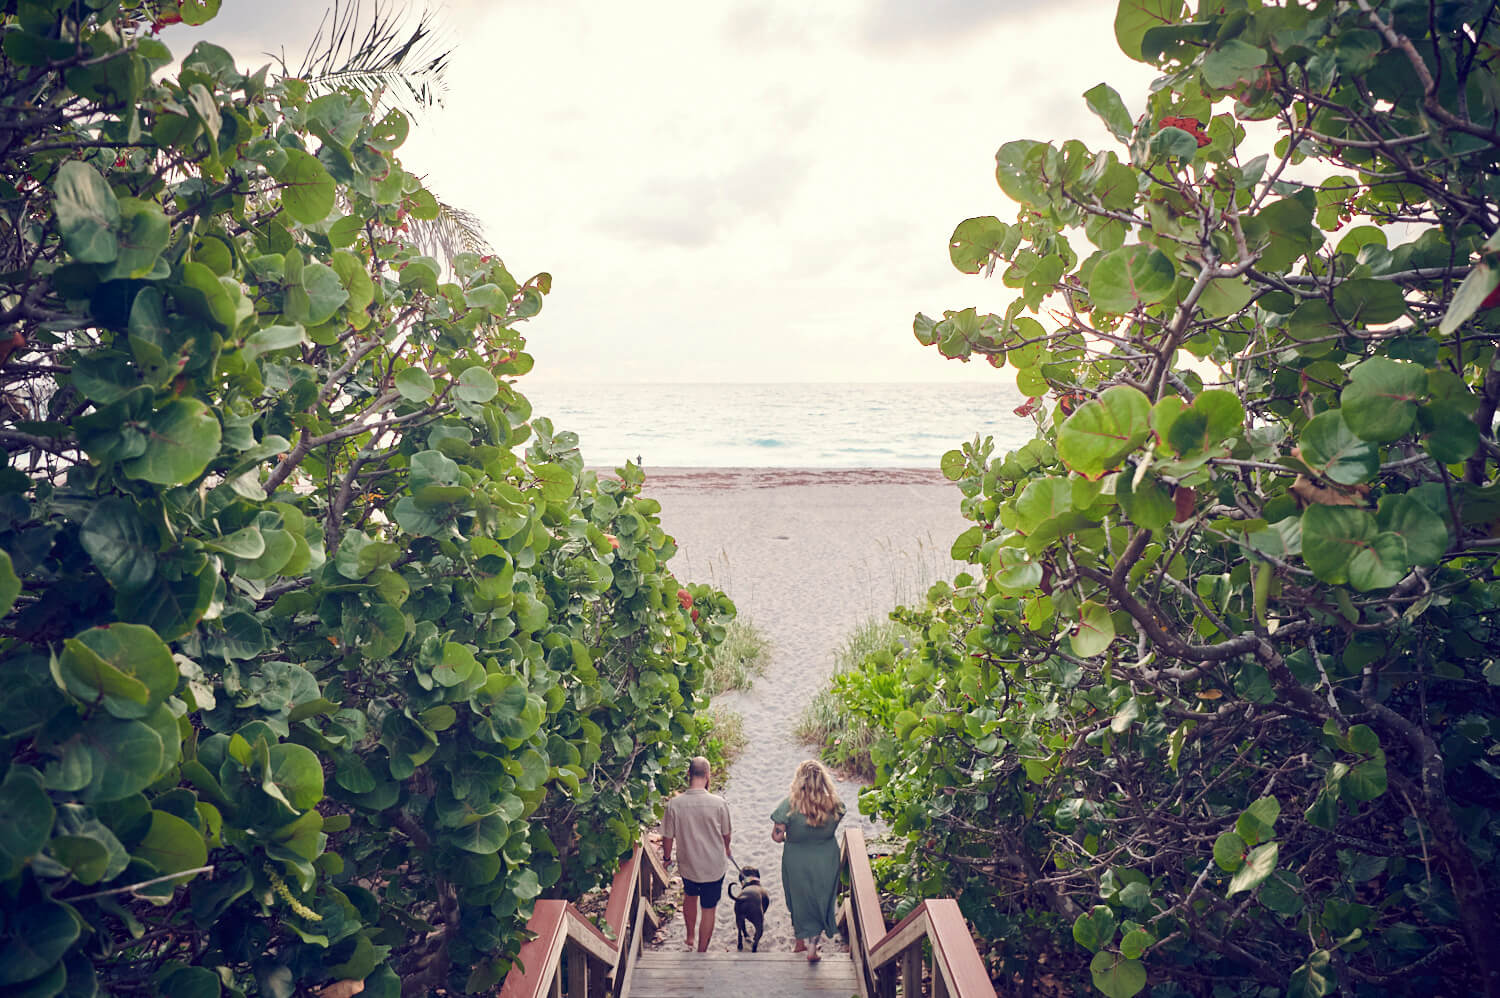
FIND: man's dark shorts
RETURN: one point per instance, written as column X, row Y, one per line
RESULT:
column 707, row 893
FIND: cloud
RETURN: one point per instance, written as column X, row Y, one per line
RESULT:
column 901, row 22
column 692, row 212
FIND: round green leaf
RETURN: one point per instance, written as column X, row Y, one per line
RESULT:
column 414, row 384
column 33, row 939
column 307, row 189
column 1136, row 17
column 1094, row 631
column 87, row 213
column 296, row 774
column 1258, row 866
column 126, row 756
column 1364, row 301
column 1102, row 431
column 126, row 667
column 1257, row 822
column 1424, row 531
column 121, row 545
column 28, row 817
column 1131, row 276
column 1380, row 401
column 1330, row 537
column 172, row 845
column 975, row 242
column 1095, row 929
column 170, row 607
column 476, row 384
column 1116, row 976
column 1366, row 780
column 1378, row 563
column 182, row 437
column 1333, row 450
column 1229, row 851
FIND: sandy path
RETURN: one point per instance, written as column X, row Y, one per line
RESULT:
column 806, row 555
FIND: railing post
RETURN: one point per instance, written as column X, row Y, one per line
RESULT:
column 578, row 971
column 911, row 972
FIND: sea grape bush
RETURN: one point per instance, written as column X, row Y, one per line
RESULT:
column 323, row 657
column 1216, row 709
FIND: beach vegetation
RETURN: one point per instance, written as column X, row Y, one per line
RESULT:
column 863, row 662
column 736, row 662
column 1214, row 708
column 320, row 662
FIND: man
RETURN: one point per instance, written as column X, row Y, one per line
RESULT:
column 700, row 821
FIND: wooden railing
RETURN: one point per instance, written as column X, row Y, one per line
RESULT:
column 885, row 958
column 568, row 945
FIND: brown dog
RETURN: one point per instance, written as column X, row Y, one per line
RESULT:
column 750, row 905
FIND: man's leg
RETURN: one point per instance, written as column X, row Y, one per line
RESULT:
column 706, row 929
column 690, row 917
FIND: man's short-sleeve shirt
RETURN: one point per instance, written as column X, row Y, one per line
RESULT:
column 698, row 822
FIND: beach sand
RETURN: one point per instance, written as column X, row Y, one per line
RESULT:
column 806, row 555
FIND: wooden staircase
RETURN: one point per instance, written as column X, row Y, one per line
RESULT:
column 928, row 953
column 680, row 974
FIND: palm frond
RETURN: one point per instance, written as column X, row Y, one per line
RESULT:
column 391, row 56
column 454, row 231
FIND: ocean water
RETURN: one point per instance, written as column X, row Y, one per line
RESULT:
column 902, row 425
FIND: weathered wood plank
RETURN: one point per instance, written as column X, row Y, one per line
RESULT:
column 676, row 974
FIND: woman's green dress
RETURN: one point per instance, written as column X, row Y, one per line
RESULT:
column 809, row 870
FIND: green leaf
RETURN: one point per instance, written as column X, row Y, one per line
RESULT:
column 144, row 234
column 975, row 243
column 87, row 213
column 126, row 667
column 1379, row 562
column 476, row 384
column 1147, row 504
column 1380, row 402
column 170, row 607
column 1096, row 929
column 28, row 818
column 1481, row 282
column 125, row 756
column 1133, row 18
column 1131, row 276
column 1334, row 451
column 1116, row 976
column 1288, row 232
column 120, row 543
column 182, row 437
column 1102, row 431
column 1425, row 532
column 1232, row 62
column 1364, row 301
column 1366, row 780
column 1258, row 866
column 172, row 845
column 33, row 939
column 1105, row 102
column 295, row 774
column 273, row 338
column 324, row 292
column 1256, row 824
column 1331, row 535
column 1315, row 978
column 10, row 584
column 1094, row 631
column 414, row 384
column 1229, row 851
column 307, row 189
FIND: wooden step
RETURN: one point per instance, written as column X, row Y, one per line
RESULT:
column 679, row 974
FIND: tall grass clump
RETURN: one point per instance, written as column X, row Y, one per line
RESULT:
column 844, row 738
column 721, row 735
column 734, row 665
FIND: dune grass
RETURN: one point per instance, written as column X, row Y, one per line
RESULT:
column 844, row 739
column 736, row 663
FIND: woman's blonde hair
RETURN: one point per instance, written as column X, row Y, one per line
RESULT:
column 813, row 795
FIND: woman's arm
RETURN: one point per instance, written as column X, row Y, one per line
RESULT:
column 778, row 832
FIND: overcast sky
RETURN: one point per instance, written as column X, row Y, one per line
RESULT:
column 738, row 191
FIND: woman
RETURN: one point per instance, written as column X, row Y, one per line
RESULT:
column 806, row 820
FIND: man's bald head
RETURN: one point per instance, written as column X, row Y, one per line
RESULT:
column 698, row 770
